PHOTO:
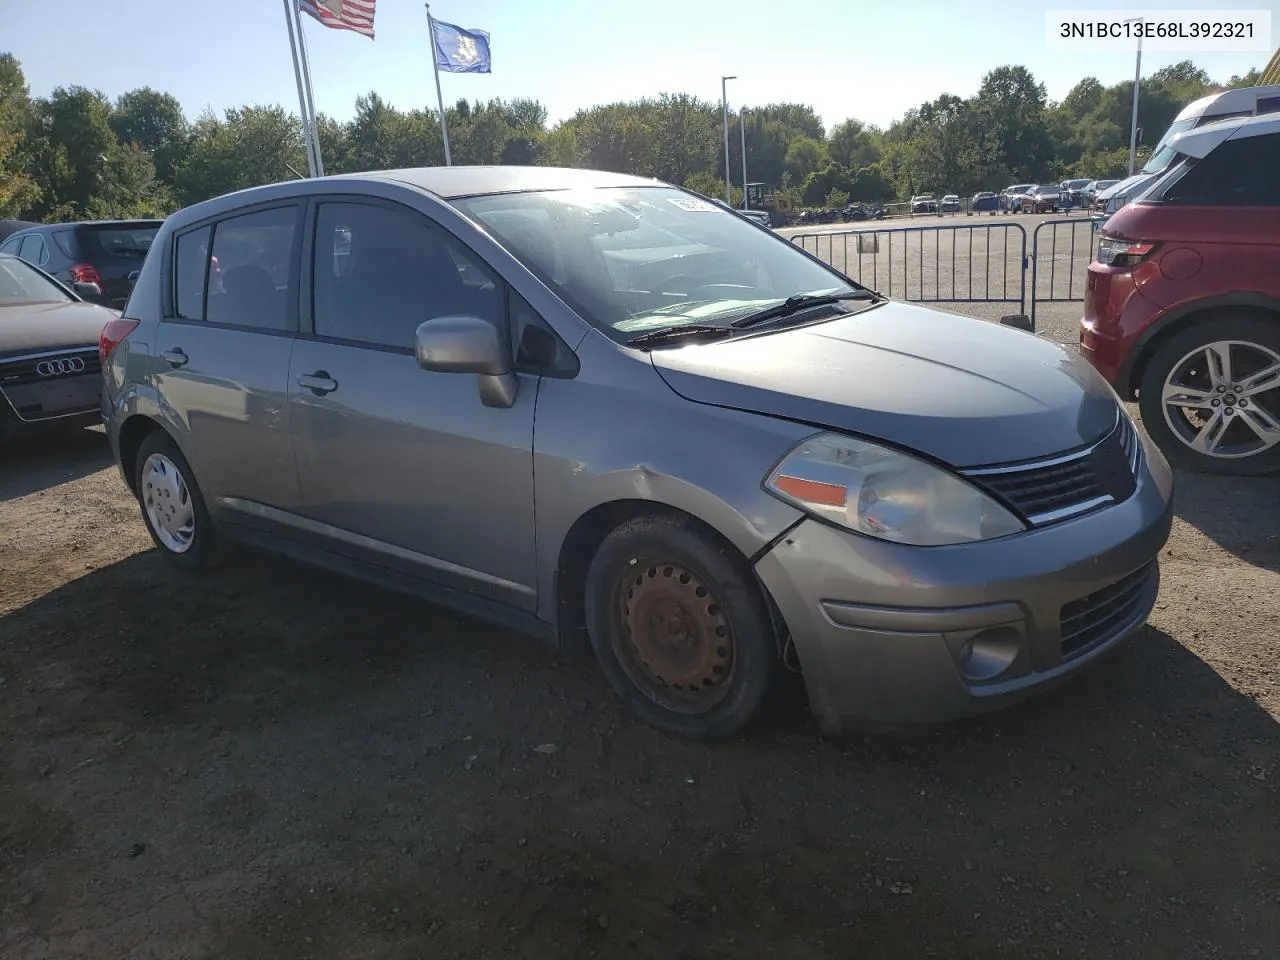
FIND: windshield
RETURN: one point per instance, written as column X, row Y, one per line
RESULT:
column 1163, row 153
column 640, row 259
column 22, row 283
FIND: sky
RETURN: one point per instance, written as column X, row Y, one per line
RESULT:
column 845, row 58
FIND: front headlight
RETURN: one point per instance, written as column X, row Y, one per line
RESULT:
column 886, row 494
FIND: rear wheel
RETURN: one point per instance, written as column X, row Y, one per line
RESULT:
column 172, row 505
column 680, row 629
column 1210, row 395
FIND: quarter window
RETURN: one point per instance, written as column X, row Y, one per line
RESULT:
column 380, row 271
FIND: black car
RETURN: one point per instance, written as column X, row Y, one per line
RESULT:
column 106, row 252
column 50, row 373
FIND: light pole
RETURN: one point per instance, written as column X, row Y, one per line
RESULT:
column 742, row 129
column 724, row 106
column 1133, row 123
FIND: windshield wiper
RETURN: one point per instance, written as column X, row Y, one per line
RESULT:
column 688, row 331
column 795, row 305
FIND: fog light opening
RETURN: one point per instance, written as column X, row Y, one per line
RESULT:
column 989, row 653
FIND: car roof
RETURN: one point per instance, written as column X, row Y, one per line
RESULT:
column 447, row 183
column 1200, row 141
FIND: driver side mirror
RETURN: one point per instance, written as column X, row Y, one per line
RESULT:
column 463, row 344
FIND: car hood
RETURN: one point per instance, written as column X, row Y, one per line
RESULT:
column 39, row 327
column 964, row 391
column 1124, row 186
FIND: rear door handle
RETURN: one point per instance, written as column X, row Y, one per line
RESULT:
column 175, row 357
column 318, row 383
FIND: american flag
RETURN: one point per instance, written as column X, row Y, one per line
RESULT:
column 354, row 15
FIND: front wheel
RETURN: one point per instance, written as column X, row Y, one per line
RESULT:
column 680, row 629
column 1210, row 395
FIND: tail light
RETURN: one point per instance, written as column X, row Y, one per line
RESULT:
column 112, row 335
column 1123, row 253
column 86, row 273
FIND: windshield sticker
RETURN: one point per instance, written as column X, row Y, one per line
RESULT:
column 692, row 204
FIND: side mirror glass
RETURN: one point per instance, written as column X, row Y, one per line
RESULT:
column 461, row 344
column 88, row 291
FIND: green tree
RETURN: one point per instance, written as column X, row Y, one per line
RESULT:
column 155, row 122
column 854, row 144
column 70, row 139
column 19, row 191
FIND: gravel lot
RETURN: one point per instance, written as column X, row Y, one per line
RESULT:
column 272, row 762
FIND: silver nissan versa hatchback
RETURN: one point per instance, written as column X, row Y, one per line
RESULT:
column 608, row 412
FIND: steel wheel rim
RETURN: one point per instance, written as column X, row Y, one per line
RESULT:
column 1222, row 399
column 166, row 500
column 674, row 639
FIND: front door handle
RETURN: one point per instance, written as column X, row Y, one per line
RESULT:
column 175, row 357
column 318, row 383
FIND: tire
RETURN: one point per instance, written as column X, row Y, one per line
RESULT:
column 193, row 545
column 1254, row 342
column 658, row 572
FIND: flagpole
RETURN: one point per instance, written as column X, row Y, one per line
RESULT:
column 435, row 65
column 302, row 97
column 311, row 96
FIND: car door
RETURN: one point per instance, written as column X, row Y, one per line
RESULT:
column 399, row 466
column 222, row 363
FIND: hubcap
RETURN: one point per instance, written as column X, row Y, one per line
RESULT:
column 167, row 503
column 1223, row 399
column 678, row 646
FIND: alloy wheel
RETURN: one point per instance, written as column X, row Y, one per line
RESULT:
column 1222, row 399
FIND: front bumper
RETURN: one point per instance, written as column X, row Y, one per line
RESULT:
column 892, row 634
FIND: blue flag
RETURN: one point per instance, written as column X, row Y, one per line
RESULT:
column 458, row 50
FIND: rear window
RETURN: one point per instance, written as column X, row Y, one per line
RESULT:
column 132, row 242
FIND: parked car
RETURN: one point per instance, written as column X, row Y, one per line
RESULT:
column 1042, row 199
column 865, row 211
column 105, row 252
column 984, row 201
column 726, row 475
column 1091, row 191
column 1108, row 201
column 50, row 374
column 950, row 203
column 1011, row 197
column 924, row 203
column 1182, row 302
column 1073, row 192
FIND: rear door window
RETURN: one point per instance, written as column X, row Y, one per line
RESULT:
column 251, row 284
column 1238, row 173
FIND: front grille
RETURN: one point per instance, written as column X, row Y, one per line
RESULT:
column 27, row 370
column 1046, row 491
column 1097, row 617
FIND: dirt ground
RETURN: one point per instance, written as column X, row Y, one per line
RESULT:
column 272, row 762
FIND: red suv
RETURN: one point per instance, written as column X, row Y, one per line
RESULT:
column 1182, row 301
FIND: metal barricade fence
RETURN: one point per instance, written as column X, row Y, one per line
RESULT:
column 953, row 263
column 1060, row 254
